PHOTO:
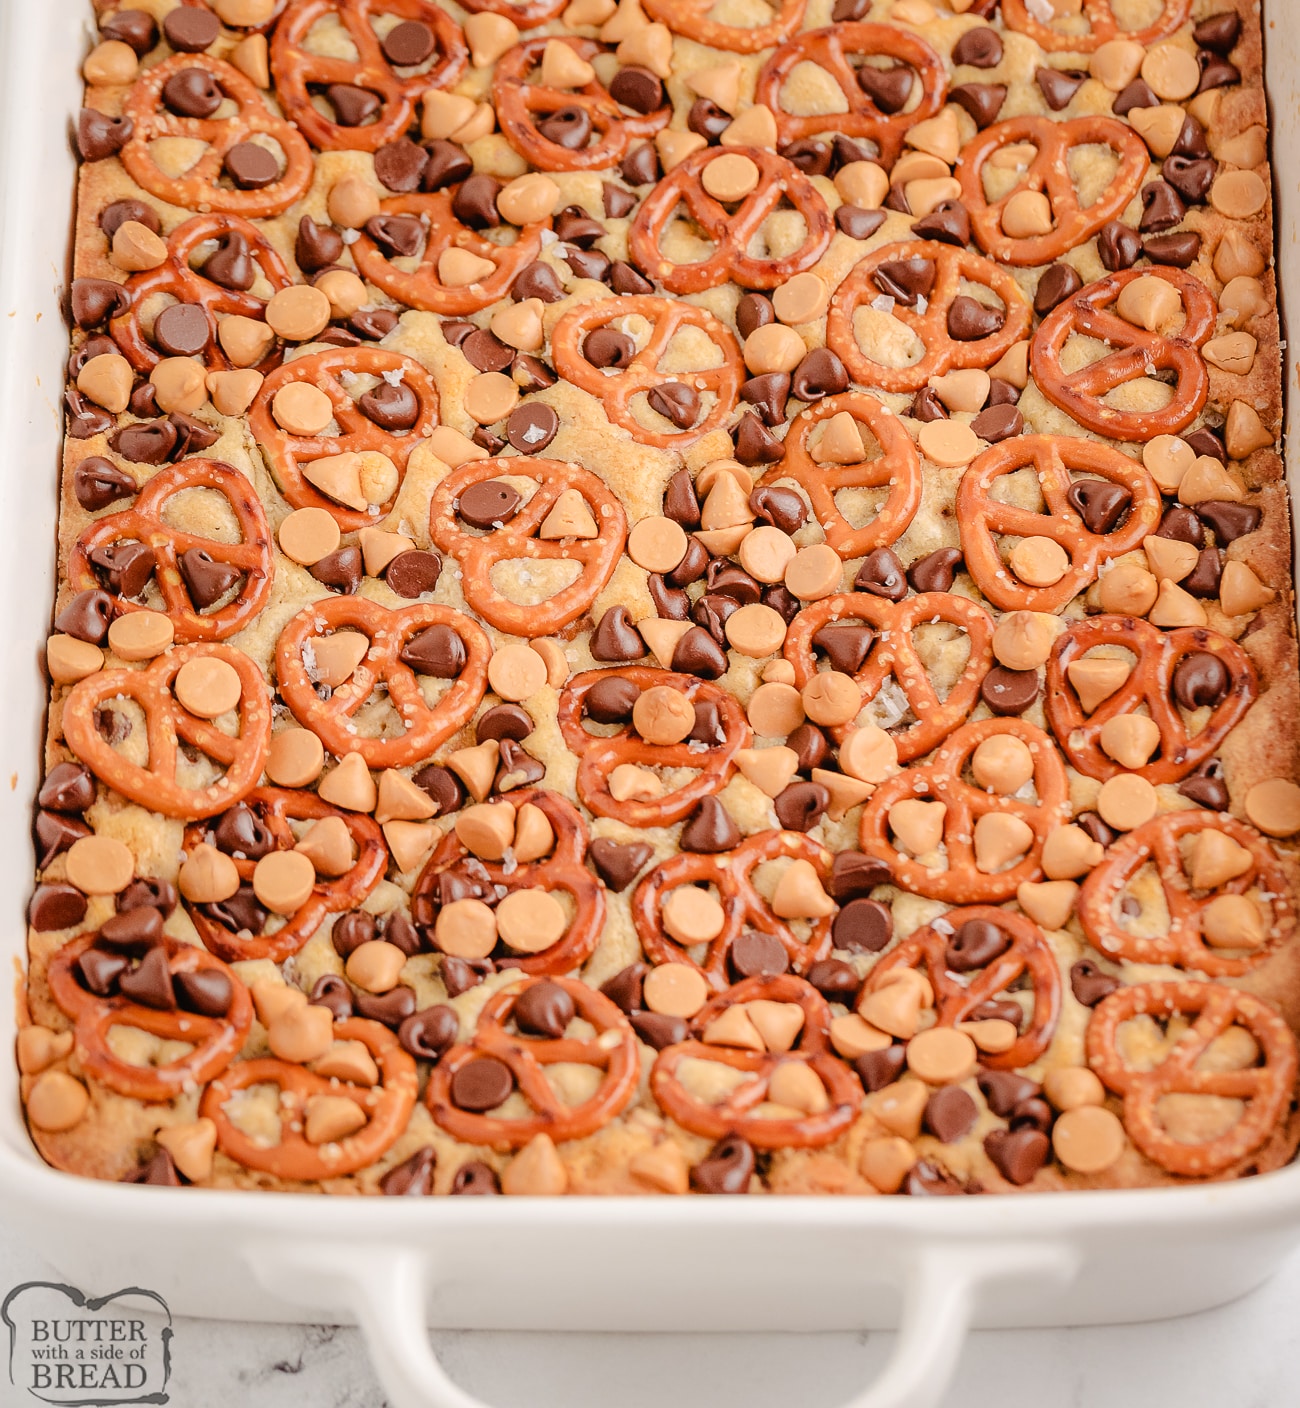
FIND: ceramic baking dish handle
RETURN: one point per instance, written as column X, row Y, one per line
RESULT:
column 387, row 1294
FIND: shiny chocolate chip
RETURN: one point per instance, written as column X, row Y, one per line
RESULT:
column 1179, row 250
column 481, row 1085
column 782, row 508
column 610, row 700
column 615, row 201
column 148, row 893
column 615, row 638
column 818, row 375
column 727, row 1167
column 1017, row 1154
column 1009, row 692
column 398, row 236
column 854, row 874
column 475, row 1178
column 504, row 721
column 949, row 1114
column 1201, row 680
column 980, row 48
column 1206, row 786
column 390, row 407
column 408, row 44
column 317, row 246
column 390, row 1008
column 436, row 651
column 1057, row 283
column 624, row 989
column 531, row 427
column 888, row 88
column 56, row 906
column 1089, row 984
column 948, row 222
column 192, row 92
column 411, row 574
column 640, row 166
column 544, row 1009
column 606, row 347
column 1003, row 1091
column 133, row 931
column 670, row 602
column 1229, row 521
column 698, row 654
column 118, row 212
column 231, row 263
column 190, row 30
column 1203, row 580
column 332, row 991
column 675, row 401
column 1102, row 505
column 159, row 1172
column 207, row 991
column 618, row 863
column 835, row 980
column 1219, row 33
column 982, row 101
column 139, row 31
column 1118, row 246
column 906, row 280
column 754, row 310
column 1058, row 86
column 426, row 1035
column 182, row 330
column 975, row 945
column 241, row 913
column 637, row 88
column 445, row 165
column 969, row 319
column 340, row 571
column 755, row 443
column 882, row 575
column 935, row 571
column 1137, row 94
column 810, row 747
column 98, row 482
column 87, row 616
column 863, row 926
column 568, row 127
column 251, row 167
column 413, row 1177
column 150, row 982
column 801, row 805
column 442, row 785
column 95, row 301
column 706, row 119
column 710, row 831
column 877, row 1069
column 69, row 787
column 491, row 503
column 755, row 955
column 1216, row 71
column 707, row 728
column 1162, row 208
column 55, row 833
column 857, row 222
column 206, row 581
column 100, row 136
column 811, row 156
column 99, row 971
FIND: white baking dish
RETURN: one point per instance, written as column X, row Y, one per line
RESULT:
column 935, row 1266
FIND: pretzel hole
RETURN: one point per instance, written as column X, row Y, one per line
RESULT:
column 1146, row 1041
column 257, row 1112
column 175, row 156
column 1092, row 168
column 711, row 1082
column 782, row 233
column 261, row 287
column 1005, row 170
column 690, row 349
column 123, row 726
column 328, row 38
column 810, row 91
column 206, row 513
column 743, row 14
column 1192, row 1119
column 889, row 708
column 765, row 877
column 1022, row 489
column 573, row 1082
column 884, row 338
column 944, row 649
column 142, row 1049
column 319, row 100
column 530, row 581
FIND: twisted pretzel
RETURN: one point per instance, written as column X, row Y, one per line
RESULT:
column 1157, row 655
column 1137, row 354
column 1049, row 172
column 424, row 726
column 731, row 232
column 1157, row 843
column 1266, row 1089
column 690, row 19
column 599, row 756
column 893, row 654
column 1102, row 26
column 277, row 807
column 563, row 869
column 742, row 904
column 526, row 14
column 829, row 49
column 940, row 780
column 616, row 389
column 420, row 287
column 298, row 69
column 287, row 453
column 517, row 541
column 897, row 469
column 738, row 1111
column 387, row 1106
column 942, row 354
column 158, row 786
column 174, row 276
column 613, row 1050
column 146, row 522
column 199, row 188
column 521, row 104
column 982, row 518
column 956, row 996
column 214, row 1041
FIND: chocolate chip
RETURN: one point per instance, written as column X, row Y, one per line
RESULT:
column 1002, row 393
column 618, row 863
column 531, row 427
column 727, row 1167
column 858, row 223
column 150, row 982
column 975, row 945
column 1203, row 580
column 950, row 1113
column 1058, row 86
column 670, row 602
column 707, row 728
column 442, row 785
column 413, row 1177
column 475, row 1178
column 926, row 406
column 624, row 279
column 115, row 215
column 1178, row 250
column 1138, row 94
column 317, row 246
column 251, row 167
column 610, row 700
column 531, row 373
column 640, row 166
column 481, row 1084
column 706, row 119
column 818, row 375
column 888, row 88
column 192, row 92
column 95, row 301
column 231, row 263
column 657, row 1030
column 340, row 571
column 149, row 892
column 242, row 832
column 408, row 44
column 615, row 201
column 1093, row 826
column 125, row 568
column 207, row 991
column 1017, row 1154
column 504, row 721
column 491, row 503
column 1229, row 521
column 392, row 1008
column 998, row 423
column 100, row 136
column 87, row 616
column 426, row 1035
column 1101, row 504
column 681, row 504
column 160, row 1172
column 139, row 31
column 624, row 988
column 1009, row 692
column 1216, row 71
column 56, row 906
column 755, row 443
column 1201, row 680
column 969, row 319
column 881, row 574
column 906, row 280
column 615, row 637
column 1162, row 208
column 190, row 30
column 544, row 1009
column 436, row 651
column 980, row 48
column 1089, row 984
column 755, row 955
column 935, row 571
column 896, row 199
column 1219, row 33
column 1206, row 786
column 400, row 165
column 69, row 787
column 710, row 831
column 518, row 768
column 877, row 1069
column 205, row 580
column 144, row 398
column 1205, row 442
column 835, row 980
column 948, row 222
column 401, row 933
column 1118, row 246
column 1057, row 283
column 801, row 805
column 446, row 164
column 677, row 401
column 811, row 156
column 55, row 834
column 100, row 971
column 1190, row 177
column 396, row 235
column 84, row 418
column 1181, row 524
column 754, row 311
column 850, row 10
column 411, row 574
column 182, row 330
column 863, row 926
column 241, row 913
column 568, row 127
column 711, row 612
column 854, row 874
column 475, row 202
column 698, row 654
column 810, row 747
column 1003, row 1091
column 782, row 508
column 606, row 347
column 638, row 89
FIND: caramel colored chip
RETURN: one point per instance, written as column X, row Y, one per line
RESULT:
column 487, row 829
column 755, row 127
column 775, row 710
column 245, row 341
column 799, row 893
column 692, row 915
column 941, row 1056
column 1216, row 859
column 192, row 1146
column 207, row 876
column 375, row 966
column 1088, row 1139
column 999, row 840
column 444, row 114
column 330, row 1118
column 295, row 759
column 531, row 920
column 720, row 83
column 657, row 544
column 1127, row 590
column 841, row 441
column 69, row 659
column 569, row 518
column 674, row 147
column 771, row 770
column 733, row 1027
column 348, row 1061
column 674, row 990
column 730, row 177
column 1073, row 1088
column 298, row 313
column 283, row 881
column 401, row 800
column 947, row 443
column 466, row 929
column 1149, row 302
column 1171, row 72
column 1244, row 432
column 831, row 698
column 1026, row 214
column 773, row 348
column 862, row 183
column 801, row 299
column 309, row 534
column 1130, row 739
column 663, row 715
column 458, row 268
column 1022, row 640
column 516, row 671
column 1069, row 853
column 1274, row 807
column 795, row 1085
column 57, row 1102
column 1168, row 458
column 1167, row 558
column 755, row 630
column 663, row 1167
column 140, row 635
column 349, row 786
column 1175, row 607
column 1095, row 680
column 520, row 325
column 1117, row 63
column 1238, row 194
column 901, row 1106
column 1002, row 763
column 334, row 657
column 1241, row 591
column 1233, row 922
column 345, row 291
column 110, row 63
column 662, row 636
column 490, row 397
column 327, row 844
column 966, row 389
column 917, row 825
column 338, row 477
column 886, row 1161
column 1126, row 801
column 302, row 409
column 39, row 1048
column 179, row 384
column 536, row 1171
column 1040, row 562
column 100, row 865
column 869, row 754
column 409, row 842
column 351, row 202
column 1048, row 903
column 135, row 247
column 852, row 1037
column 1234, row 352
column 534, row 835
column 529, row 199
column 476, row 767
column 813, row 572
column 107, row 380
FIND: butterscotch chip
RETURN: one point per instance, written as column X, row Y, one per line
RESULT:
column 1026, row 214
column 100, row 865
column 378, row 477
column 770, row 769
column 720, row 83
column 516, row 672
column 886, row 1161
column 994, row 1035
column 1159, row 126
column 458, row 268
column 922, row 196
column 327, row 844
column 1248, row 148
column 1131, row 739
column 107, row 380
column 1117, row 63
column 900, row 1107
column 1095, row 680
column 918, row 166
column 1088, row 1139
column 692, row 915
column 894, row 1008
column 663, row 1167
column 708, row 478
column 140, row 635
column 941, row 1056
column 57, row 1102
column 375, row 965
column 734, row 1027
column 726, row 502
column 773, row 348
column 401, row 800
column 111, row 62
column 662, row 637
column 245, row 341
column 69, row 659
column 917, row 825
column 730, row 177
column 335, row 657
column 1238, row 194
column 1241, row 300
column 476, row 767
column 1040, row 562
column 795, row 1085
column 569, row 518
column 1175, row 607
column 1168, row 557
column 39, row 1048
column 352, row 202
column 1274, row 807
column 755, row 127
column 963, row 390
column 349, row 1061
column 466, row 929
column 378, row 549
column 345, row 291
column 179, row 384
column 284, row 880
column 1127, row 590
column 1233, row 352
column 663, row 715
column 852, row 1036
column 775, row 710
column 1013, row 365
column 528, row 199
column 490, row 397
column 135, row 247
column 801, row 300
column 1208, row 480
column 409, row 841
column 674, row 990
column 534, row 835
column 1000, row 839
column 799, row 893
column 862, row 183
column 766, row 552
column 1070, row 852
column 309, row 534
column 520, row 325
column 208, row 875
column 755, row 630
column 302, row 409
column 1022, row 640
column 841, row 441
column 243, row 14
column 298, row 313
column 531, row 920
column 1237, row 255
column 487, row 829
column 337, row 477
column 251, row 56
column 330, row 1118
column 1171, row 72
column 869, row 754
column 831, row 698
column 1048, row 902
column 629, row 783
column 1241, row 591
column 948, row 443
column 1168, row 458
column 657, row 544
column 1244, row 431
column 1215, row 859
column 778, row 672
column 444, row 113
column 1073, row 1087
column 1126, row 801
column 814, row 572
column 295, row 759
column 349, row 785
column 1233, row 921
column 1148, row 302
column 536, row 1171
column 1002, row 764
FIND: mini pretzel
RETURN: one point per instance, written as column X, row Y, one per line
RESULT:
column 562, row 869
column 158, row 785
column 420, row 287
column 982, row 518
column 617, row 388
column 1158, row 844
column 1157, row 655
column 599, row 756
column 897, row 469
column 387, row 1106
column 738, row 1112
column 730, row 231
column 1266, row 1088
column 286, row 453
column 612, row 1050
column 277, row 807
column 517, row 541
column 176, row 277
column 1102, row 26
column 526, row 14
column 1137, row 354
column 1029, row 960
column 744, row 907
column 940, row 780
column 146, row 522
column 829, row 49
column 299, row 69
column 690, row 19
column 893, row 654
column 333, row 720
column 942, row 354
column 521, row 105
column 1049, row 172
column 200, row 187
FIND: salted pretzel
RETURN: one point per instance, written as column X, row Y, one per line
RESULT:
column 616, row 389
column 1157, row 655
column 893, row 654
column 943, row 353
column 421, row 287
column 690, row 19
column 612, row 1051
column 1159, row 844
column 214, row 1041
column 1102, row 26
column 286, row 453
column 176, row 277
column 897, row 470
column 146, row 522
column 526, row 14
column 1135, row 353
column 983, row 519
column 740, row 1110
column 829, row 50
column 159, row 784
column 563, row 870
column 1027, row 961
column 200, row 187
column 276, row 807
column 940, row 780
column 598, row 756
column 1265, row 1087
column 731, row 232
column 298, row 69
column 745, row 909
column 335, row 720
column 387, row 1107
column 517, row 541
column 521, row 105
column 1049, row 172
